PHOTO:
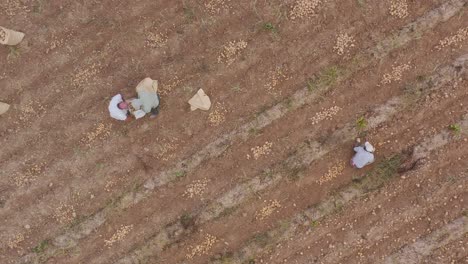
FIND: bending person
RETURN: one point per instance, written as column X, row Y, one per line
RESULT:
column 148, row 98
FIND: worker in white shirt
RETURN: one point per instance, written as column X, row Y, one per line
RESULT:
column 118, row 108
column 364, row 155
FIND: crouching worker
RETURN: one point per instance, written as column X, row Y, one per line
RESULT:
column 364, row 155
column 148, row 98
column 118, row 108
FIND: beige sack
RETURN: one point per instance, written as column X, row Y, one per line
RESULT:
column 200, row 101
column 148, row 85
column 10, row 37
column 3, row 108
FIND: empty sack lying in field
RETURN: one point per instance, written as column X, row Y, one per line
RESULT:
column 200, row 101
column 10, row 37
column 3, row 108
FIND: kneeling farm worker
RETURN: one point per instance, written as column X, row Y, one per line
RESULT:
column 364, row 155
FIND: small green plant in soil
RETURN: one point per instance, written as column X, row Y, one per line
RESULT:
column 13, row 52
column 383, row 171
column 261, row 239
column 314, row 223
column 455, row 128
column 41, row 246
column 330, row 75
column 361, row 123
column 236, row 88
column 270, row 27
column 180, row 174
column 327, row 77
column 187, row 221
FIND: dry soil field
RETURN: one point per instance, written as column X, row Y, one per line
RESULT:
column 264, row 176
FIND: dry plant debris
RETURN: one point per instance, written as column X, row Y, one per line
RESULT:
column 165, row 89
column 28, row 110
column 325, row 114
column 259, row 151
column 276, row 76
column 30, row 175
column 460, row 36
column 399, row 8
column 121, row 233
column 396, row 74
column 166, row 147
column 343, row 43
column 266, row 211
column 215, row 6
column 332, row 173
column 15, row 241
column 56, row 42
column 83, row 75
column 2, row 35
column 64, row 214
column 218, row 115
column 13, row 7
column 155, row 40
column 196, row 188
column 202, row 248
column 231, row 50
column 304, row 8
column 101, row 132
column 109, row 185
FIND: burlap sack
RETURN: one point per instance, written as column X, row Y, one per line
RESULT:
column 148, row 85
column 200, row 101
column 10, row 37
column 4, row 108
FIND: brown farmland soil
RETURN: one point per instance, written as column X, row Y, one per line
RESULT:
column 264, row 175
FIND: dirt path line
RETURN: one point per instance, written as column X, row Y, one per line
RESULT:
column 423, row 247
column 216, row 148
